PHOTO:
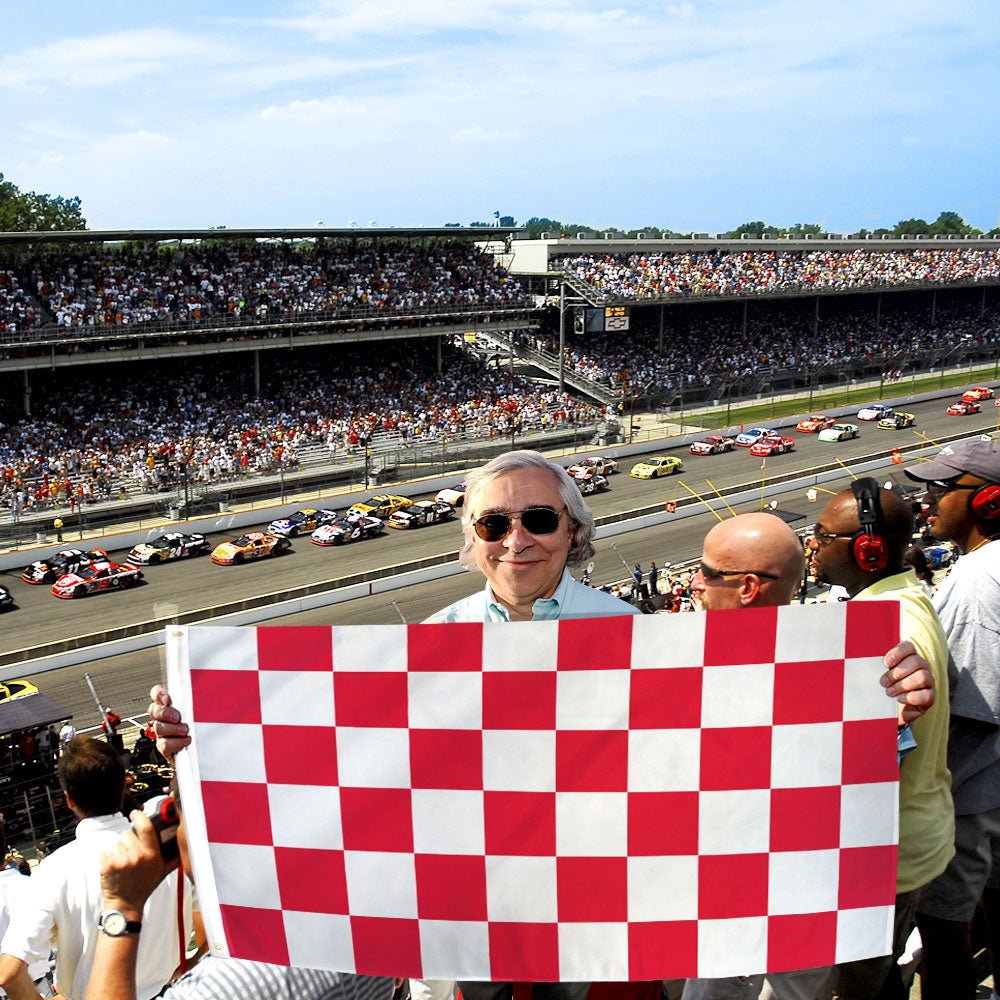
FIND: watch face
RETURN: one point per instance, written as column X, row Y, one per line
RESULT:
column 113, row 923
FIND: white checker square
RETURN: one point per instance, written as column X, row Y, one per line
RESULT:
column 369, row 648
column 809, row 632
column 735, row 821
column 580, row 945
column 233, row 862
column 864, row 932
column 663, row 888
column 322, row 831
column 592, row 699
column 213, row 647
column 381, row 884
column 864, row 696
column 447, row 821
column 592, row 824
column 507, row 646
column 733, row 946
column 296, row 697
column 663, row 641
column 455, row 949
column 521, row 889
column 869, row 814
column 373, row 758
column 447, row 700
column 664, row 760
column 229, row 751
column 803, row 881
column 737, row 695
column 807, row 756
column 319, row 940
column 519, row 760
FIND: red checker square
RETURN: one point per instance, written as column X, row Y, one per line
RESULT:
column 457, row 646
column 520, row 823
column 231, row 696
column 747, row 639
column 735, row 758
column 662, row 823
column 869, row 751
column 371, row 699
column 732, row 885
column 300, row 755
column 446, row 758
column 795, row 687
column 376, row 819
column 298, row 647
column 867, row 876
column 382, row 943
column 801, row 941
column 657, row 949
column 256, row 935
column 524, row 952
column 236, row 812
column 592, row 889
column 871, row 628
column 591, row 760
column 451, row 886
column 805, row 819
column 313, row 881
column 665, row 699
column 519, row 700
column 595, row 644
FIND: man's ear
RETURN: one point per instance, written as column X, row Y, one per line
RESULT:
column 749, row 591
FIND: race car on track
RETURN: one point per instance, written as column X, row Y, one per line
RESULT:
column 454, row 496
column 601, row 465
column 897, row 420
column 421, row 513
column 347, row 529
column 252, row 545
column 63, row 562
column 380, row 506
column 6, row 600
column 714, row 444
column 814, row 424
column 838, row 432
column 962, row 408
column 301, row 522
column 593, row 482
column 977, row 394
column 96, row 577
column 772, row 446
column 874, row 411
column 16, row 689
column 172, row 545
column 659, row 465
column 746, row 438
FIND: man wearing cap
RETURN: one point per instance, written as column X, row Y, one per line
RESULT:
column 963, row 498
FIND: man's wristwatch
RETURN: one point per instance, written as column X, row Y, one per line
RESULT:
column 114, row 923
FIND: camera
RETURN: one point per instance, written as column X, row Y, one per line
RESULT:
column 165, row 821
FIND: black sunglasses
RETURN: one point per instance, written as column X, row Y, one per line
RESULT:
column 536, row 520
column 711, row 573
column 938, row 486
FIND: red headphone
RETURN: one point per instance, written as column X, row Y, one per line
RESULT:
column 985, row 502
column 869, row 549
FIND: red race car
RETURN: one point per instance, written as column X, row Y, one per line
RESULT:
column 962, row 408
column 95, row 578
column 977, row 394
column 814, row 424
column 772, row 446
column 714, row 444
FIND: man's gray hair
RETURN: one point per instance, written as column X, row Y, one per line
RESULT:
column 580, row 515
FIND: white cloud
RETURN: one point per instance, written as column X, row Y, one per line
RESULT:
column 478, row 134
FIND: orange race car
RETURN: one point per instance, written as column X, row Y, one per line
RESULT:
column 252, row 545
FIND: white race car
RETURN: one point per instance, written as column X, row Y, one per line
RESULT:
column 347, row 529
column 600, row 465
column 421, row 513
column 454, row 496
column 875, row 411
column 839, row 432
column 172, row 545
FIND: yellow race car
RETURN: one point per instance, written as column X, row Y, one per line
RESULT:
column 16, row 689
column 252, row 545
column 381, row 505
column 657, row 466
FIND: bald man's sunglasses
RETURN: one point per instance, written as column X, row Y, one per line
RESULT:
column 536, row 520
column 711, row 573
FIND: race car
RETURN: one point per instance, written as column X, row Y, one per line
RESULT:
column 380, row 506
column 977, row 394
column 63, row 562
column 838, row 432
column 659, row 465
column 593, row 482
column 306, row 520
column 6, row 600
column 962, row 408
column 172, row 545
column 16, row 689
column 874, row 411
column 714, row 444
column 772, row 446
column 96, row 577
column 814, row 424
column 252, row 545
column 601, row 465
column 746, row 438
column 347, row 529
column 897, row 420
column 454, row 496
column 421, row 513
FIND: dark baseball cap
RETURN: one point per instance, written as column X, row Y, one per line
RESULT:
column 977, row 457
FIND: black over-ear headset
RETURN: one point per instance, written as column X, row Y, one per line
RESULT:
column 985, row 502
column 870, row 549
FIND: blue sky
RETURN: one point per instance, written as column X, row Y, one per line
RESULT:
column 692, row 115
